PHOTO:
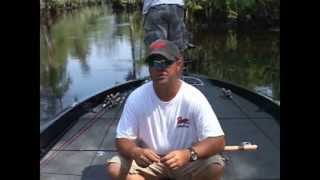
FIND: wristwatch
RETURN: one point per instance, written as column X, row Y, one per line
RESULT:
column 193, row 154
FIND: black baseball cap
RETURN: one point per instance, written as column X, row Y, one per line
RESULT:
column 164, row 48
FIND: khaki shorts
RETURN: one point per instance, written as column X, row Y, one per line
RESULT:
column 160, row 170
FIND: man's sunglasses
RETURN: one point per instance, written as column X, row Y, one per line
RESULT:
column 160, row 63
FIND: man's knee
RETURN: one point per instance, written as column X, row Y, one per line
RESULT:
column 114, row 170
column 215, row 170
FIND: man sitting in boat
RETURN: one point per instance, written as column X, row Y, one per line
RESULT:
column 167, row 128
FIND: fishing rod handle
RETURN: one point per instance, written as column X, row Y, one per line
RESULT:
column 249, row 147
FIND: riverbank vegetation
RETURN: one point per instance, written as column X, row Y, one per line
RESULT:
column 54, row 7
column 227, row 13
column 259, row 13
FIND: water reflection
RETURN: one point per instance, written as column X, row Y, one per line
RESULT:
column 93, row 49
column 251, row 60
column 85, row 52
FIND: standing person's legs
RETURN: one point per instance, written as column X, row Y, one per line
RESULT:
column 165, row 22
column 177, row 28
column 155, row 27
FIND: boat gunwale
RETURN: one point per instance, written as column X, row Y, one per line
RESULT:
column 265, row 103
column 57, row 127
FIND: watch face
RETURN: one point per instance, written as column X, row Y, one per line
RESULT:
column 194, row 156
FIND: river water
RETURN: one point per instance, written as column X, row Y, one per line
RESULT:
column 89, row 50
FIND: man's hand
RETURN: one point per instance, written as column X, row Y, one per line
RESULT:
column 176, row 159
column 144, row 157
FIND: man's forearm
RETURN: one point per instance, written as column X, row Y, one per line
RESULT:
column 126, row 147
column 209, row 146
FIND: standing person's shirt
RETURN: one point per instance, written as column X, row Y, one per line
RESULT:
column 147, row 4
column 166, row 126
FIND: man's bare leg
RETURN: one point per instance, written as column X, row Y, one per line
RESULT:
column 116, row 171
column 141, row 177
column 135, row 177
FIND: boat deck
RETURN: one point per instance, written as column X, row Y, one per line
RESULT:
column 82, row 152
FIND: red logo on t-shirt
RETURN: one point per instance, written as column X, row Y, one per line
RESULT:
column 182, row 122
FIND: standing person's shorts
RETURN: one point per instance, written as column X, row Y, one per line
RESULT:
column 160, row 170
column 165, row 21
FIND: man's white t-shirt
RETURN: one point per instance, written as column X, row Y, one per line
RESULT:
column 147, row 4
column 165, row 126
